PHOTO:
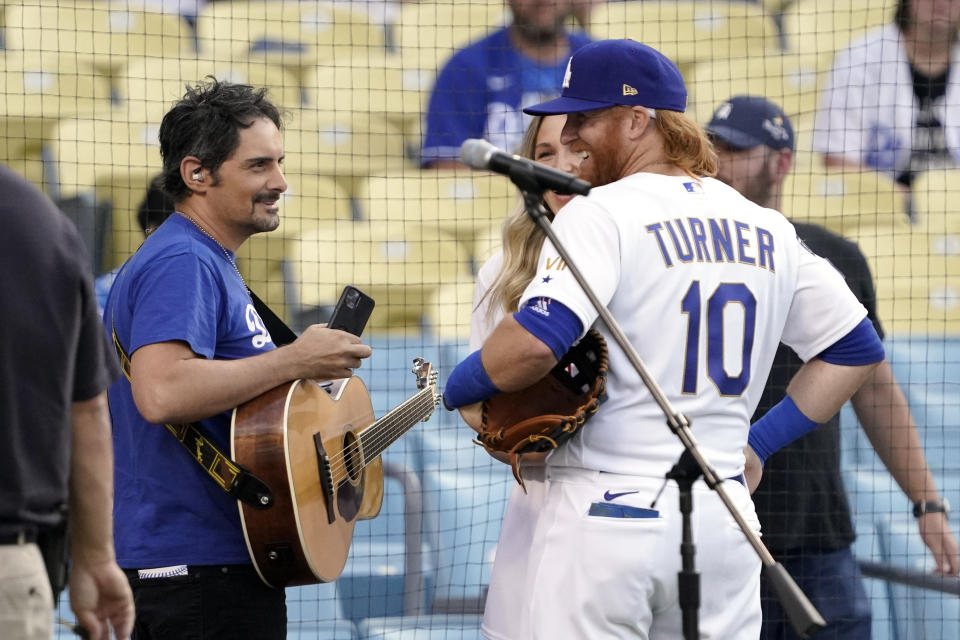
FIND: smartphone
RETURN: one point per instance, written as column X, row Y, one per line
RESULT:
column 352, row 311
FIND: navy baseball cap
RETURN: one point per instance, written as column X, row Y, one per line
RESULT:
column 744, row 122
column 606, row 73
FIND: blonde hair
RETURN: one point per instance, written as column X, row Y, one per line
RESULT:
column 686, row 144
column 522, row 240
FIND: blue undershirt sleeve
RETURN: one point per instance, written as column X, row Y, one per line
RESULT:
column 550, row 322
column 859, row 347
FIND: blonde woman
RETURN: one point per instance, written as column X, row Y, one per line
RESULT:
column 500, row 282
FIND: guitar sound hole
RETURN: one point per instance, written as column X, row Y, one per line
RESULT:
column 353, row 457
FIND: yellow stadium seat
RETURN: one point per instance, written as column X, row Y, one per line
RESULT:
column 690, row 31
column 347, row 146
column 309, row 202
column 844, row 200
column 107, row 34
column 462, row 204
column 113, row 159
column 449, row 309
column 399, row 264
column 291, row 33
column 38, row 90
column 917, row 277
column 823, row 28
column 428, row 33
column 148, row 88
column 380, row 84
column 791, row 81
column 936, row 201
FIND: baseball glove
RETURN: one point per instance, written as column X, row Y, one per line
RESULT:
column 548, row 413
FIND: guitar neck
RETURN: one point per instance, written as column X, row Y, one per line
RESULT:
column 388, row 429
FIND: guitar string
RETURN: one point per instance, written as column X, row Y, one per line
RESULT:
column 386, row 422
column 386, row 433
column 391, row 432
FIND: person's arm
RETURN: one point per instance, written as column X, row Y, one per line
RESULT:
column 99, row 591
column 172, row 384
column 883, row 411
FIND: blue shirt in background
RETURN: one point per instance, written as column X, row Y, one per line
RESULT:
column 480, row 92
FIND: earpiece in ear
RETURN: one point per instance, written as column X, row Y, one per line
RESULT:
column 198, row 175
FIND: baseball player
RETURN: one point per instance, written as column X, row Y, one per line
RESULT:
column 705, row 285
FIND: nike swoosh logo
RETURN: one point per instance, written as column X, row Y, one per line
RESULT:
column 613, row 496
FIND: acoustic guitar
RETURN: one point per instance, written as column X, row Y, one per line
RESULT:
column 317, row 446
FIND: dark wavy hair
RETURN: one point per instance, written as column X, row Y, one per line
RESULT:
column 206, row 123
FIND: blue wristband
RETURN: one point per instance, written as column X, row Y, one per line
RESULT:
column 778, row 427
column 468, row 383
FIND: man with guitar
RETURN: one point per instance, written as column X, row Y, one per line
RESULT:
column 194, row 345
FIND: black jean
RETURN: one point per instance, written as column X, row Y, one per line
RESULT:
column 210, row 603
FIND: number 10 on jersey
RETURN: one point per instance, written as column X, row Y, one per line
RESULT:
column 692, row 305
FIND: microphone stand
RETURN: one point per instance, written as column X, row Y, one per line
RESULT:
column 803, row 616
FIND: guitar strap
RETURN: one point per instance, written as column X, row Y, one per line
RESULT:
column 235, row 479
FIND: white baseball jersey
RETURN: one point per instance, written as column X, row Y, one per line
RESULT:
column 705, row 284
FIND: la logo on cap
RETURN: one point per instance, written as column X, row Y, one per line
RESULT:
column 566, row 75
column 629, row 91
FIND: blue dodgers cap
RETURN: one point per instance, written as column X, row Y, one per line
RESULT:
column 744, row 122
column 611, row 72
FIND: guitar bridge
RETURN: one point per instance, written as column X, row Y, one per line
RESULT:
column 326, row 476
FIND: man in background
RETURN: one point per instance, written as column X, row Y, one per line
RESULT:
column 479, row 92
column 800, row 501
column 54, row 428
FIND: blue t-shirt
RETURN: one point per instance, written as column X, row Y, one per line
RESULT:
column 480, row 92
column 167, row 510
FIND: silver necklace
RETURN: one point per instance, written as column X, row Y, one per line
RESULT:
column 226, row 254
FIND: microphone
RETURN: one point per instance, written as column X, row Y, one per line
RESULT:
column 480, row 154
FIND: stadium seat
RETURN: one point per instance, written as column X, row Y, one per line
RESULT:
column 308, row 201
column 398, row 264
column 462, row 204
column 688, row 31
column 920, row 613
column 429, row 627
column 465, row 494
column 936, row 201
column 449, row 310
column 918, row 279
column 107, row 35
column 347, row 146
column 791, row 81
column 869, row 547
column 844, row 200
column 115, row 159
column 149, row 87
column 428, row 33
column 296, row 35
column 314, row 611
column 823, row 28
column 380, row 84
column 38, row 90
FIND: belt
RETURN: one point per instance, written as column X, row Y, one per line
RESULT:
column 21, row 536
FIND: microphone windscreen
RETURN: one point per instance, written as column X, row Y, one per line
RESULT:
column 476, row 153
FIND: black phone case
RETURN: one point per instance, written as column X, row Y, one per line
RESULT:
column 352, row 311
